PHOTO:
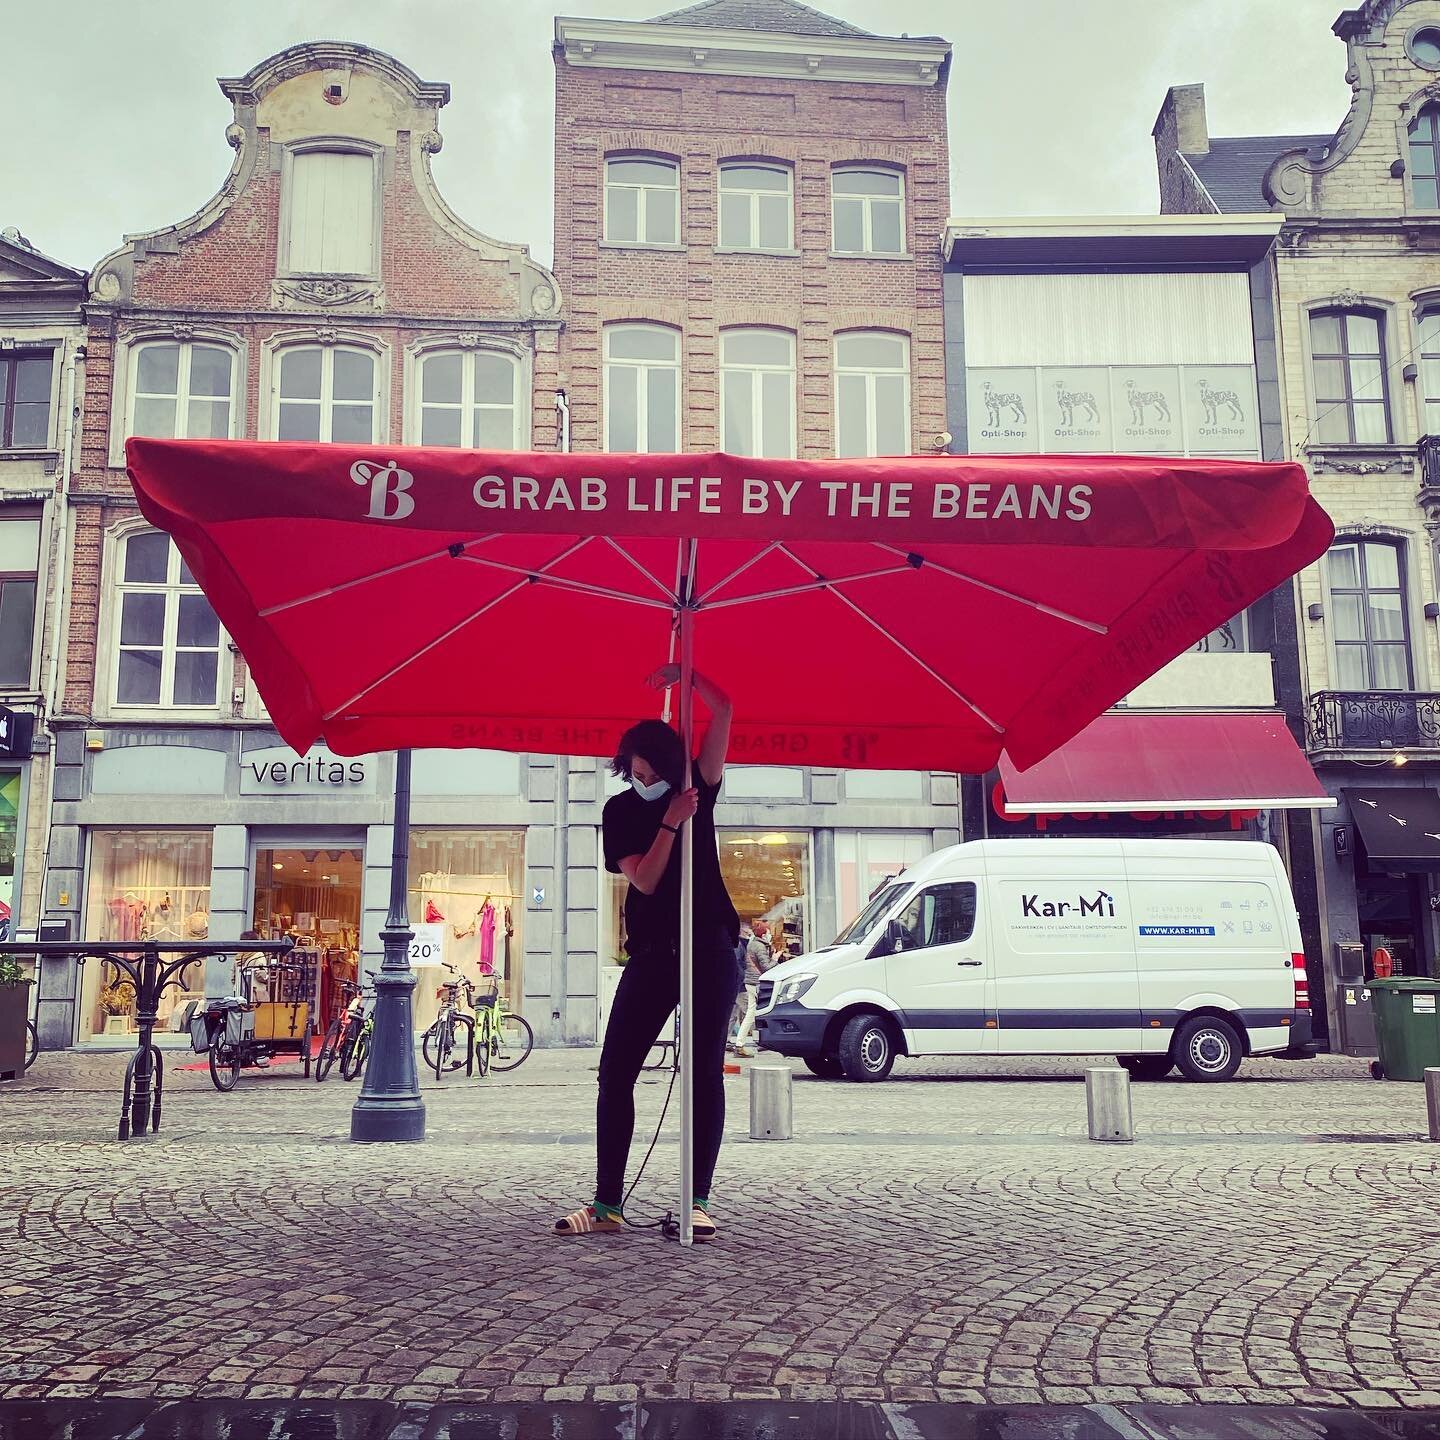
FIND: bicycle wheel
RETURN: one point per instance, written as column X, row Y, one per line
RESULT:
column 329, row 1050
column 32, row 1043
column 352, row 1057
column 307, row 1044
column 432, row 1043
column 479, row 1047
column 511, row 1042
column 224, row 1065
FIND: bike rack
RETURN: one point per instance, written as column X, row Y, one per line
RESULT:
column 141, row 963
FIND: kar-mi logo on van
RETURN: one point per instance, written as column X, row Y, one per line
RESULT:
column 1102, row 906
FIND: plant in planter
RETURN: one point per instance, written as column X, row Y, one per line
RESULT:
column 14, row 1013
column 117, row 1004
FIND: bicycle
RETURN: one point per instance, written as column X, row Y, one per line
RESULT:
column 439, row 1041
column 504, row 1040
column 32, row 1043
column 348, row 1037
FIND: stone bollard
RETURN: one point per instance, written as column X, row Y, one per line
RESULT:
column 1107, row 1103
column 772, row 1113
column 1432, row 1100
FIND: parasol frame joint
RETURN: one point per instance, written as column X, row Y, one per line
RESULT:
column 914, row 561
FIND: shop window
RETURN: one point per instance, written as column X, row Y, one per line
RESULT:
column 326, row 393
column 642, row 201
column 755, row 207
column 642, row 389
column 867, row 212
column 1424, row 164
column 467, row 888
column 1430, row 372
column 1347, row 353
column 19, row 562
column 9, row 837
column 757, row 392
column 1231, row 638
column 1367, row 616
column 181, row 390
column 167, row 640
column 941, row 915
column 25, row 399
column 768, row 876
column 142, row 885
column 468, row 398
column 866, row 859
column 872, row 393
column 331, row 213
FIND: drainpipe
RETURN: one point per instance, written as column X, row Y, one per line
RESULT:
column 561, row 898
column 562, row 406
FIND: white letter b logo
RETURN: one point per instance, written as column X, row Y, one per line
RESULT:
column 387, row 484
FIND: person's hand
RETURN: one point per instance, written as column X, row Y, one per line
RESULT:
column 682, row 806
column 664, row 677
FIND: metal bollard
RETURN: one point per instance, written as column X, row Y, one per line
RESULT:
column 772, row 1112
column 1107, row 1103
column 1432, row 1100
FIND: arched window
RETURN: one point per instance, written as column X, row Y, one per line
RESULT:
column 642, row 389
column 326, row 392
column 757, row 392
column 867, row 211
column 642, row 201
column 755, row 208
column 1430, row 372
column 167, row 638
column 872, row 393
column 468, row 398
column 330, row 208
column 1425, row 158
column 1367, row 615
column 182, row 390
column 1347, row 349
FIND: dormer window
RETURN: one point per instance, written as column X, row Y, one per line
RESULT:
column 1425, row 158
column 330, row 213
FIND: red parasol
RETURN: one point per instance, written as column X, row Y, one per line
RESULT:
column 925, row 613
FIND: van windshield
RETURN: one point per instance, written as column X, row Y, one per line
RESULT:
column 865, row 921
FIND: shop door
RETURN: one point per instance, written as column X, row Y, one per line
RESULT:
column 1390, row 920
column 311, row 894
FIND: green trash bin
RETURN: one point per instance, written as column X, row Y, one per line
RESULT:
column 1407, row 1027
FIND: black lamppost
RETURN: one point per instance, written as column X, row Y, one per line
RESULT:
column 390, row 1107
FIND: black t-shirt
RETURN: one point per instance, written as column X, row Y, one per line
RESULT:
column 630, row 827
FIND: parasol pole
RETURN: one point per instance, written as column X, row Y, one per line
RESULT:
column 687, row 906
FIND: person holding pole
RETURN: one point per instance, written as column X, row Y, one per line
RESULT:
column 641, row 828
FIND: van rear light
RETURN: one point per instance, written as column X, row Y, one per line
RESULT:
column 1302, row 983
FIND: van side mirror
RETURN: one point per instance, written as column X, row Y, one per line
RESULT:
column 896, row 937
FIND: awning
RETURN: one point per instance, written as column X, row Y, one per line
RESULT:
column 1150, row 763
column 1399, row 828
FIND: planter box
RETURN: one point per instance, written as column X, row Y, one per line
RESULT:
column 14, row 1012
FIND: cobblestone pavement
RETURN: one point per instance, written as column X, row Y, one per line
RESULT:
column 949, row 1235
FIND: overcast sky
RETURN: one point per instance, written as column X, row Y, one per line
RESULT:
column 114, row 123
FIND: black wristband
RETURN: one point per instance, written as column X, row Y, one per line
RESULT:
column 673, row 829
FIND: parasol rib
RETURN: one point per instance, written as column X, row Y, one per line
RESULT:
column 626, row 555
column 538, row 576
column 807, row 588
column 735, row 574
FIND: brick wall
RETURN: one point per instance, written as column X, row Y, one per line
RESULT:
column 809, row 126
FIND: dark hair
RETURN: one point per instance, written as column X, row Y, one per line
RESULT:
column 658, row 744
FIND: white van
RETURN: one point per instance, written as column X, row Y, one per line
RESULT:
column 1164, row 953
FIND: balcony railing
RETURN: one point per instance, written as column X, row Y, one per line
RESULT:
column 1430, row 462
column 1374, row 720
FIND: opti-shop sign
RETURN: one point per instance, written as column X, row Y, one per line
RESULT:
column 280, row 771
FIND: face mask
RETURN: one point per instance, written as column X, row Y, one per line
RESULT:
column 650, row 792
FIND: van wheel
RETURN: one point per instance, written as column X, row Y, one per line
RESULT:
column 1146, row 1067
column 867, row 1048
column 827, row 1067
column 1207, row 1049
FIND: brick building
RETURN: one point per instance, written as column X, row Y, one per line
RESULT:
column 326, row 292
column 1357, row 287
column 749, row 200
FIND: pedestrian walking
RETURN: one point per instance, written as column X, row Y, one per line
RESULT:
column 641, row 828
column 758, row 959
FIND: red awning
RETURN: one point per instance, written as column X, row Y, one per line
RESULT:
column 1132, row 763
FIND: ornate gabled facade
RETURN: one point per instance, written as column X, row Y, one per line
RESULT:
column 1357, row 287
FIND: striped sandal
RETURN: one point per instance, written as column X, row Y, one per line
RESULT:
column 702, row 1227
column 586, row 1222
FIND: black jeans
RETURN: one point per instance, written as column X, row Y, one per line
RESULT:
column 648, row 992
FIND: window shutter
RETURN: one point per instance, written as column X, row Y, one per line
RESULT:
column 332, row 213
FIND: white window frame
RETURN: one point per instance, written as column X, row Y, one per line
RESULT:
column 273, row 363
column 867, row 211
column 412, row 425
column 730, row 166
column 182, row 380
column 642, row 204
column 1429, row 393
column 112, row 611
column 870, row 375
column 755, row 372
column 329, row 144
column 38, row 577
column 642, row 388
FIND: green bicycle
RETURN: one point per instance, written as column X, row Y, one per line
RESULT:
column 503, row 1041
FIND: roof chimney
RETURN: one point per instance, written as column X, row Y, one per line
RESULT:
column 1183, row 114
